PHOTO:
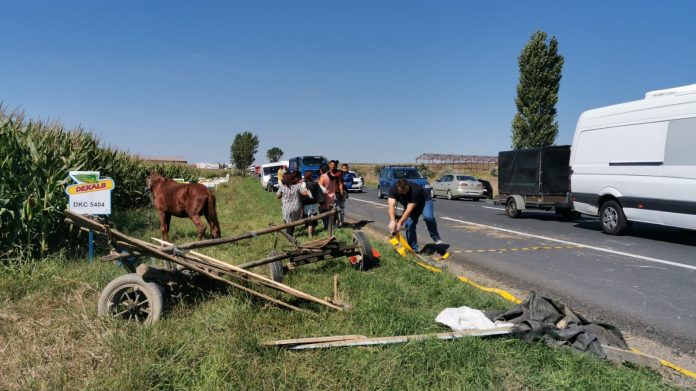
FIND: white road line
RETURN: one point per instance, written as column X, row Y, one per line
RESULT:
column 490, row 207
column 398, row 207
column 369, row 202
column 606, row 250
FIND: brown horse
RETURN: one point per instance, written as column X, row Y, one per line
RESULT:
column 191, row 200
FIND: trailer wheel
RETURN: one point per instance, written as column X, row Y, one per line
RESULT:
column 277, row 272
column 365, row 261
column 132, row 298
column 511, row 208
column 612, row 218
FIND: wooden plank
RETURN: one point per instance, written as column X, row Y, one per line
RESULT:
column 406, row 338
column 318, row 244
column 266, row 281
column 304, row 341
column 620, row 355
column 247, row 235
column 252, row 292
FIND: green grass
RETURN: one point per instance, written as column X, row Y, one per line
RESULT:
column 50, row 337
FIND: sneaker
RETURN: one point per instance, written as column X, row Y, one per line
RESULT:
column 438, row 241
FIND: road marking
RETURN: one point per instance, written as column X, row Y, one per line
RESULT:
column 606, row 250
column 492, row 207
column 370, row 202
column 534, row 248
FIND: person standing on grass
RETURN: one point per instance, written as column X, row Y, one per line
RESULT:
column 347, row 183
column 313, row 196
column 289, row 192
column 416, row 201
column 339, row 197
column 330, row 188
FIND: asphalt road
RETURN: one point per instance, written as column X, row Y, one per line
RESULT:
column 644, row 281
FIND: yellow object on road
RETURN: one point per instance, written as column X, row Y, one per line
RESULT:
column 400, row 244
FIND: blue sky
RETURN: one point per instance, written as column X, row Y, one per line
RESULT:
column 359, row 81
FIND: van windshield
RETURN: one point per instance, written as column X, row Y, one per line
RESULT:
column 408, row 174
column 314, row 161
column 270, row 170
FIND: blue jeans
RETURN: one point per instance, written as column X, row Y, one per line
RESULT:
column 428, row 217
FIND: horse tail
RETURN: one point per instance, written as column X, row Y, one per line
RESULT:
column 212, row 216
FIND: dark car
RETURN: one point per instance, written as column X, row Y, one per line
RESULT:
column 389, row 175
column 487, row 188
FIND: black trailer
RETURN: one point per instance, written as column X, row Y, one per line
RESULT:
column 535, row 178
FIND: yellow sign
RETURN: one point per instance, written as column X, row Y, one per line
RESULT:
column 105, row 184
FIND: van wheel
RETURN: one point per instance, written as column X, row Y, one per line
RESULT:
column 379, row 193
column 511, row 209
column 612, row 218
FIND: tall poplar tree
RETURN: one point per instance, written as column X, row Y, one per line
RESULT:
column 535, row 123
column 243, row 149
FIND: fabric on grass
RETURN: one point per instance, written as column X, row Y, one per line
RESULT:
column 465, row 318
column 549, row 320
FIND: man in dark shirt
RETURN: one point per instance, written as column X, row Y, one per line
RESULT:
column 416, row 201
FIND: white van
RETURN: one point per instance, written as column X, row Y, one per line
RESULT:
column 268, row 169
column 636, row 161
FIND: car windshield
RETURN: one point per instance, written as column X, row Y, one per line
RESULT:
column 314, row 161
column 407, row 173
column 270, row 170
column 465, row 178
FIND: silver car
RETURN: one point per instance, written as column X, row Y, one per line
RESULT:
column 357, row 182
column 458, row 186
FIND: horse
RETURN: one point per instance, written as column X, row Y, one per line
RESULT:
column 191, row 200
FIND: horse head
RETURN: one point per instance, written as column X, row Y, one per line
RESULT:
column 151, row 181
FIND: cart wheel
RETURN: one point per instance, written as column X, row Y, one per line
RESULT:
column 277, row 272
column 130, row 297
column 365, row 261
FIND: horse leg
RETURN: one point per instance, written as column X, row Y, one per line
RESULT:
column 214, row 228
column 199, row 225
column 165, row 219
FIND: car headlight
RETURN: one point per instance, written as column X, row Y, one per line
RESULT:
column 427, row 186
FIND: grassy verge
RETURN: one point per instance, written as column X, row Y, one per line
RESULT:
column 50, row 337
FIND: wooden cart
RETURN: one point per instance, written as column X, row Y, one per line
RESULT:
column 140, row 294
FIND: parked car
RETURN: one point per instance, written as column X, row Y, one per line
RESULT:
column 358, row 182
column 458, row 186
column 389, row 175
column 487, row 187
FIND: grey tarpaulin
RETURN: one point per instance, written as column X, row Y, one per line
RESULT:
column 541, row 318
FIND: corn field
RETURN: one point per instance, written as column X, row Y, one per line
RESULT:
column 35, row 158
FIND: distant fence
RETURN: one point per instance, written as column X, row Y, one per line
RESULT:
column 475, row 164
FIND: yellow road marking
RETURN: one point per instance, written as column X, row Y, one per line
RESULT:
column 533, row 248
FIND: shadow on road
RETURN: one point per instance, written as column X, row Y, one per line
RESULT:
column 648, row 231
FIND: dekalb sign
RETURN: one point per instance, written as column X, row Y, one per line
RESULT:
column 90, row 194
